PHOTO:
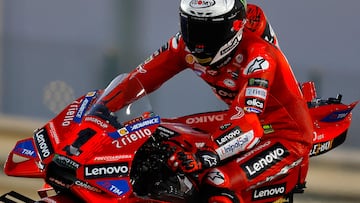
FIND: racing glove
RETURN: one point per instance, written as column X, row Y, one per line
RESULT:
column 188, row 162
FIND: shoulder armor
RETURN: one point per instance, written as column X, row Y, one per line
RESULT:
column 258, row 25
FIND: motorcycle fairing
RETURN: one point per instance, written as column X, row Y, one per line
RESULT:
column 23, row 160
column 27, row 157
column 331, row 123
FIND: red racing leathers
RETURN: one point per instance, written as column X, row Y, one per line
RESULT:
column 267, row 113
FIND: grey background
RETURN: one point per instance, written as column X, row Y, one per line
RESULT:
column 85, row 43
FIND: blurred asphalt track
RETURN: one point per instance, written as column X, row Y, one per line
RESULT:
column 333, row 177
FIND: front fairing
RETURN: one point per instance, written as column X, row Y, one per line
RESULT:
column 73, row 150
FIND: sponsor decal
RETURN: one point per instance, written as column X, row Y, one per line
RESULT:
column 282, row 172
column 258, row 82
column 239, row 58
column 318, row 136
column 228, row 136
column 117, row 187
column 140, row 69
column 91, row 94
column 202, row 60
column 123, row 131
column 70, row 113
column 43, row 143
column 199, row 144
column 97, row 121
column 263, row 161
column 113, row 158
column 215, row 177
column 229, row 83
column 209, row 159
column 224, row 92
column 225, row 61
column 121, row 141
column 225, row 126
column 59, row 182
column 268, row 129
column 269, row 191
column 53, row 132
column 106, row 170
column 336, row 116
column 83, row 106
column 144, row 123
column 65, row 162
column 189, row 58
column 255, row 92
column 212, row 72
column 165, row 132
column 252, row 110
column 163, row 48
column 257, row 64
column 148, row 59
column 253, row 151
column 254, row 102
column 228, row 47
column 235, row 75
column 202, row 3
column 26, row 148
column 134, row 127
column 87, row 186
column 240, row 113
column 235, row 145
column 321, row 148
column 81, row 111
column 205, row 118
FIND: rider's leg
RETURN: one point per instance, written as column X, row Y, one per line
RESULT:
column 273, row 165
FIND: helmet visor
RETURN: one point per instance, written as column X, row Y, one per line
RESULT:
column 205, row 37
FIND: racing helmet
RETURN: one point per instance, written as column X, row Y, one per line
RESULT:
column 212, row 29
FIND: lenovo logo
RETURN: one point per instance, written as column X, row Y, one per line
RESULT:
column 264, row 160
column 228, row 136
column 269, row 191
column 106, row 170
column 43, row 144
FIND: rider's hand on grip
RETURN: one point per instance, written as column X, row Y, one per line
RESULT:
column 188, row 162
column 171, row 150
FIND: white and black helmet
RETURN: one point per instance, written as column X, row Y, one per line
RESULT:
column 211, row 29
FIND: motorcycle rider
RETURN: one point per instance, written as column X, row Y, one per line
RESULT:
column 267, row 132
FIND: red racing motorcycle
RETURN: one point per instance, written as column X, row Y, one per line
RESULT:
column 89, row 154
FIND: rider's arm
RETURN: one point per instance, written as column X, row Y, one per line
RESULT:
column 157, row 69
column 241, row 129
